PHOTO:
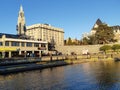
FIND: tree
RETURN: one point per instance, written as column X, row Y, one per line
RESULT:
column 65, row 42
column 69, row 41
column 116, row 47
column 91, row 40
column 75, row 42
column 85, row 41
column 51, row 45
column 104, row 34
column 105, row 48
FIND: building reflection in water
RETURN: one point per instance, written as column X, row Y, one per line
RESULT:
column 86, row 76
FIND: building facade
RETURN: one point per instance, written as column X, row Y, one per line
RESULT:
column 21, row 45
column 41, row 32
column 30, row 40
column 93, row 30
column 97, row 23
column 13, row 46
column 116, row 30
column 46, row 32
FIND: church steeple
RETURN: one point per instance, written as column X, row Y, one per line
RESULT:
column 21, row 27
column 21, row 8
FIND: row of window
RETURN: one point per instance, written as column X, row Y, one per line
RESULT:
column 28, row 44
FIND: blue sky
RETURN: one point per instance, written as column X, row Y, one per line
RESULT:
column 74, row 16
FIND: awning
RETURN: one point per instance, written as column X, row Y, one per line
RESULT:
column 7, row 49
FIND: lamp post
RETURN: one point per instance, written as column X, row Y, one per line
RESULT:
column 39, row 49
column 50, row 56
column 25, row 54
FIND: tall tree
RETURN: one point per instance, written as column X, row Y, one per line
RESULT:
column 69, row 41
column 104, row 34
column 85, row 41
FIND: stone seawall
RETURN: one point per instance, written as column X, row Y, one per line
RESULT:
column 78, row 49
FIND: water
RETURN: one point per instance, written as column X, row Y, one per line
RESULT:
column 86, row 76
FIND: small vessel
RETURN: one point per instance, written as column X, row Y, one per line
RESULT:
column 117, row 59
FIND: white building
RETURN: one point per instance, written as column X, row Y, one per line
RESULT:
column 116, row 30
column 46, row 32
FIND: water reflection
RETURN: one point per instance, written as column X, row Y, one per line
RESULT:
column 108, row 75
column 86, row 76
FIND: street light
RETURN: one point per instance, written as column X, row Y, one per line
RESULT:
column 25, row 54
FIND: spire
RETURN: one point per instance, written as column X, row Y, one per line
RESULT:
column 98, row 22
column 21, row 8
column 21, row 27
column 21, row 12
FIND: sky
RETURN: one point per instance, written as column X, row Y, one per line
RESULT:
column 75, row 17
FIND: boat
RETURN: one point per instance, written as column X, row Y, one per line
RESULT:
column 117, row 59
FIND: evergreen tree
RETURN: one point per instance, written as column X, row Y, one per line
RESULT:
column 104, row 34
column 69, row 41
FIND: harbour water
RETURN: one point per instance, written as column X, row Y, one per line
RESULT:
column 85, row 76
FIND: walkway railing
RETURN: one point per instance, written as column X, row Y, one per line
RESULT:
column 60, row 57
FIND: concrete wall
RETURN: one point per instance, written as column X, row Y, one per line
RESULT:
column 78, row 49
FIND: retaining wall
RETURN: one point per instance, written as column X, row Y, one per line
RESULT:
column 78, row 49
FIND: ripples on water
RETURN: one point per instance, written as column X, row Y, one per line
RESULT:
column 86, row 76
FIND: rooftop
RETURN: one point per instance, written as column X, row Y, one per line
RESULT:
column 9, row 35
column 98, row 22
column 44, row 26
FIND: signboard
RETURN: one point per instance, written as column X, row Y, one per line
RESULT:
column 7, row 49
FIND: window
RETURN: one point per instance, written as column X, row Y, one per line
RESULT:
column 42, row 45
column 22, row 44
column 36, row 44
column 7, row 43
column 1, row 43
column 15, row 44
column 29, row 44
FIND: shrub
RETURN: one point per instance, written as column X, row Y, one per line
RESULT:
column 116, row 47
column 105, row 48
